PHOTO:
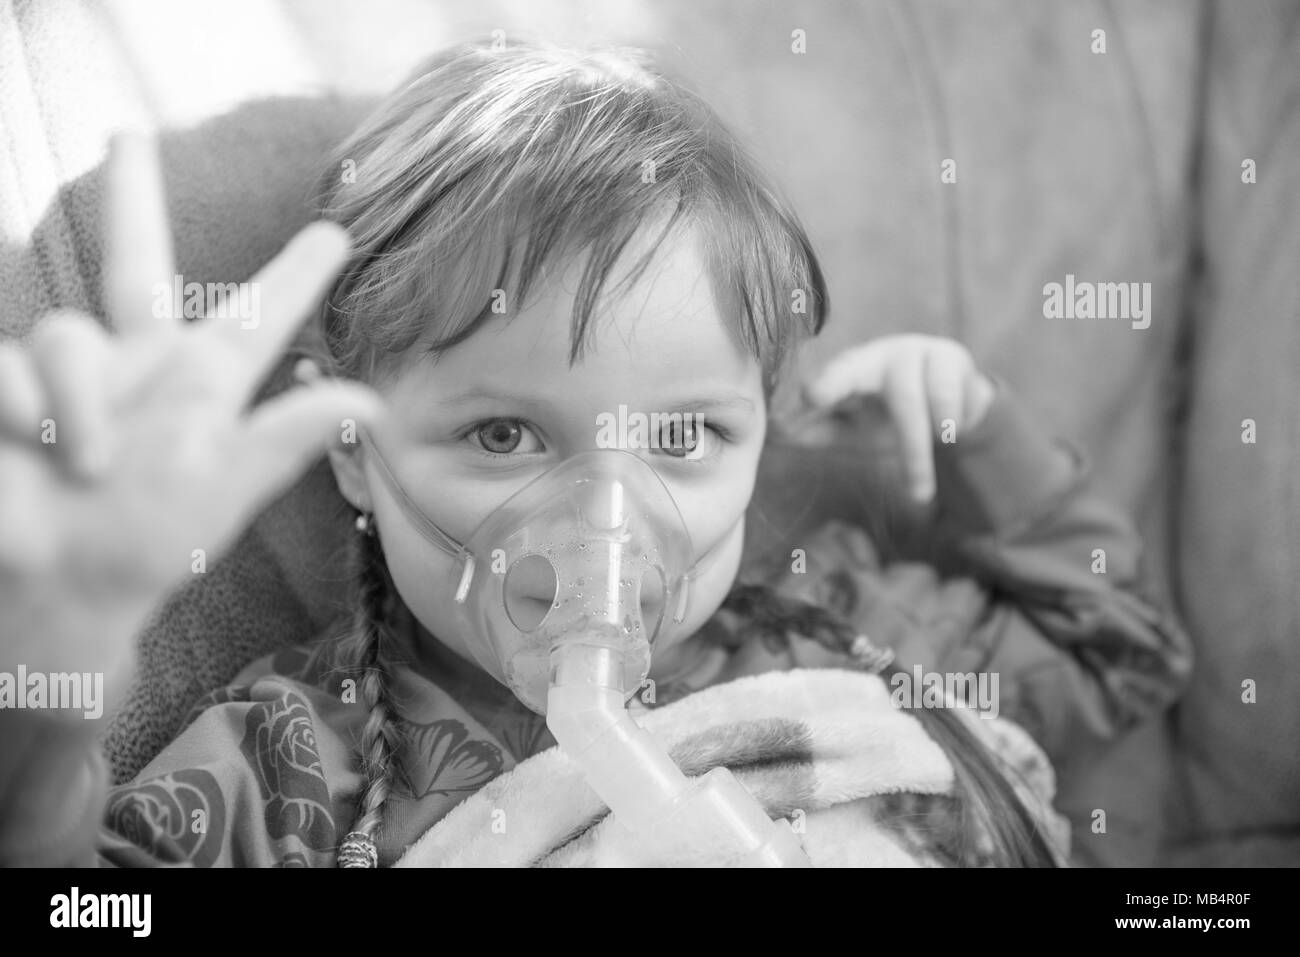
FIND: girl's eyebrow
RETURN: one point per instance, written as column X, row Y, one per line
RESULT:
column 721, row 400
column 478, row 393
column 724, row 400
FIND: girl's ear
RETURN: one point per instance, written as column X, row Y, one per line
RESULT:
column 346, row 461
column 350, row 475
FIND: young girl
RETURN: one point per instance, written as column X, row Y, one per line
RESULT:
column 539, row 239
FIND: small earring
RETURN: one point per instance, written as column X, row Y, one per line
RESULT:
column 365, row 523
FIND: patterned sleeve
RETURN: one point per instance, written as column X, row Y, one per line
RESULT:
column 257, row 778
column 1004, row 578
column 1087, row 649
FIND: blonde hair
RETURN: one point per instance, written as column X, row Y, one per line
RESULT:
column 488, row 168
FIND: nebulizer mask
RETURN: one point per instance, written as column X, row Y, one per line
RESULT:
column 565, row 590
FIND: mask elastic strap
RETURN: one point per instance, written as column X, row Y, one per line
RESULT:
column 422, row 522
column 684, row 593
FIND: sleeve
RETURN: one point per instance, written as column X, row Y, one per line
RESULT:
column 255, row 779
column 1066, row 617
column 1002, row 575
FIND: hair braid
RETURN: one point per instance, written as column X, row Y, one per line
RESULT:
column 367, row 642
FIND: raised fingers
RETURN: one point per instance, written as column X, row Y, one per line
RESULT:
column 69, row 352
column 906, row 395
column 138, row 248
column 276, row 300
column 22, row 399
column 947, row 370
column 287, row 433
column 857, row 370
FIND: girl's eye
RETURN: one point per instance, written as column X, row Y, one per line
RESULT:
column 503, row 436
column 689, row 440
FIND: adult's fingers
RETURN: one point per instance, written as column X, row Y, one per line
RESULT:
column 70, row 353
column 138, row 267
column 288, row 433
column 905, row 393
column 278, row 298
column 22, row 399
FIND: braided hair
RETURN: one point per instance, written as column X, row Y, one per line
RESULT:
column 361, row 652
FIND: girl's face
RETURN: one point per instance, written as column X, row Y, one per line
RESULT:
column 467, row 431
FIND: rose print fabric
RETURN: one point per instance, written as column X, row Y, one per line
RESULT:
column 265, row 773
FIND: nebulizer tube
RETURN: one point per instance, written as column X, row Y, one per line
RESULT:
column 668, row 818
column 598, row 547
column 672, row 818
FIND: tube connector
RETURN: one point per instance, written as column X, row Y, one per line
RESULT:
column 672, row 819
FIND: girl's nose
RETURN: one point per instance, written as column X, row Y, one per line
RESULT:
column 531, row 589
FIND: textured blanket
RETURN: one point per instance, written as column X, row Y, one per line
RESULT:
column 859, row 779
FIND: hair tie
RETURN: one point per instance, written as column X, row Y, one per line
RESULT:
column 358, row 850
column 870, row 657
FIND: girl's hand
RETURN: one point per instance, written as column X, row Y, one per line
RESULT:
column 925, row 380
column 126, row 460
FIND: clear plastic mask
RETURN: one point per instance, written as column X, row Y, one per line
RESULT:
column 593, row 550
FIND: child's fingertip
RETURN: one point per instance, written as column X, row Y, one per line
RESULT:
column 131, row 140
column 812, row 395
column 331, row 239
column 370, row 406
column 305, row 371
